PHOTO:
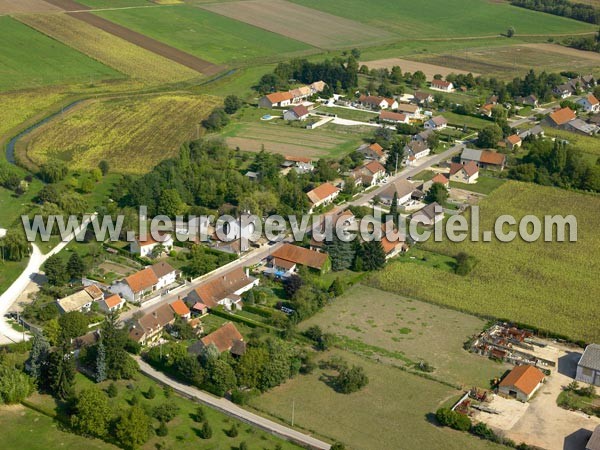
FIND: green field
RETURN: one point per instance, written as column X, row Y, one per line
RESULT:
column 30, row 59
column 350, row 114
column 553, row 286
column 114, row 4
column 408, row 329
column 589, row 146
column 391, row 412
column 24, row 428
column 207, row 35
column 446, row 19
column 458, row 120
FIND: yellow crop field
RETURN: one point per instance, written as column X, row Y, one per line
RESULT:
column 17, row 107
column 550, row 285
column 132, row 134
column 111, row 50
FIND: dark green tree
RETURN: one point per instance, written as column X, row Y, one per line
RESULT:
column 100, row 372
column 38, row 357
column 232, row 104
column 372, row 255
column 351, row 379
column 104, row 167
column 55, row 270
column 133, row 428
column 92, row 413
column 489, row 136
column 206, row 431
column 437, row 193
column 61, row 373
column 72, row 325
column 75, row 266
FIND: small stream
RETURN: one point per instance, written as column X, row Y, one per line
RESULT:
column 10, row 147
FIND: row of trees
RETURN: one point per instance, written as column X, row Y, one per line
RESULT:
column 578, row 11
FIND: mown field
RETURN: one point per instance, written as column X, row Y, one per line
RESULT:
column 553, row 286
column 111, row 50
column 114, row 4
column 394, row 328
column 133, row 134
column 249, row 133
column 318, row 29
column 447, row 19
column 29, row 59
column 207, row 35
column 391, row 412
column 24, row 428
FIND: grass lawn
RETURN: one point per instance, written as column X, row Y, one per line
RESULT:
column 182, row 429
column 24, row 428
column 30, row 59
column 350, row 114
column 238, row 83
column 391, row 412
column 395, row 330
column 458, row 120
column 456, row 18
column 484, row 185
column 207, row 35
column 425, row 175
column 536, row 283
column 12, row 206
column 133, row 133
column 9, row 271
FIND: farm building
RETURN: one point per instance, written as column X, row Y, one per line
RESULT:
column 441, row 85
column 464, row 173
column 588, row 368
column 485, row 159
column 224, row 290
column 80, row 301
column 581, row 127
column 522, row 382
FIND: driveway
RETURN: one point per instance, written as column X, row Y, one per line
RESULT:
column 543, row 423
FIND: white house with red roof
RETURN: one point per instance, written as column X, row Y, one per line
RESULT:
column 464, row 173
column 111, row 304
column 322, row 195
column 369, row 174
column 375, row 102
column 145, row 247
column 299, row 112
column 589, row 103
column 442, row 85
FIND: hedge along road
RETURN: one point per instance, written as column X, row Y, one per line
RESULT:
column 80, row 12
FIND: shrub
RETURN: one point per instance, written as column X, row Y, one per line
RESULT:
column 150, row 393
column 112, row 390
column 165, row 412
column 351, row 380
column 452, row 419
column 205, row 431
column 199, row 416
column 232, row 432
column 162, row 430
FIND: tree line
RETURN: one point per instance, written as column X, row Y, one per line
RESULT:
column 564, row 8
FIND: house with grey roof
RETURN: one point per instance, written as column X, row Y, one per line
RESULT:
column 536, row 131
column 588, row 367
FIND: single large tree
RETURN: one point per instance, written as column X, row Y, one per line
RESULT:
column 437, row 193
column 133, row 428
column 75, row 266
column 372, row 255
column 100, row 372
column 61, row 373
column 38, row 357
column 92, row 413
column 55, row 270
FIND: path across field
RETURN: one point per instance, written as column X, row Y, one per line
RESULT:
column 81, row 12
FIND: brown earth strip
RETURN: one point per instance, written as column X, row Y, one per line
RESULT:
column 172, row 53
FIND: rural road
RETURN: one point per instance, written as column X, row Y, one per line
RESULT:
column 36, row 260
column 233, row 410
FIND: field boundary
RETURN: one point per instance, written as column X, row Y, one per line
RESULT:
column 141, row 40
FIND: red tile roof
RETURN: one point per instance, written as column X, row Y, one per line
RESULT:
column 513, row 139
column 113, row 301
column 180, row 307
column 440, row 83
column 439, row 178
column 562, row 116
column 300, row 110
column 495, row 158
column 300, row 255
column 142, row 280
column 322, row 192
column 525, row 378
column 210, row 293
column 389, row 115
column 298, row 159
column 374, row 167
column 592, row 99
column 470, row 168
column 277, row 97
column 223, row 338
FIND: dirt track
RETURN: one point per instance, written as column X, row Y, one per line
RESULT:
column 78, row 11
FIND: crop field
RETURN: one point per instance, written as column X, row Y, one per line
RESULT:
column 207, row 35
column 132, row 134
column 551, row 285
column 589, row 145
column 412, row 66
column 416, row 330
column 485, row 185
column 114, row 4
column 30, row 59
column 313, row 27
column 389, row 413
column 446, row 19
column 111, row 50
column 287, row 140
column 26, row 6
column 17, row 107
column 507, row 61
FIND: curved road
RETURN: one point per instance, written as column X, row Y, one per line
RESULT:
column 233, row 410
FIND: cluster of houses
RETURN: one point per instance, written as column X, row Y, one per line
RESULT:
column 284, row 99
column 574, row 86
column 85, row 299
